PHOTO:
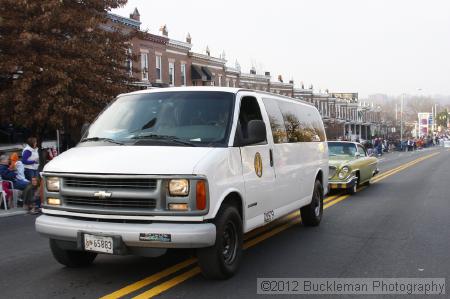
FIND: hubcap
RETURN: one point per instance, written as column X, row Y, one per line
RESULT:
column 230, row 242
column 317, row 209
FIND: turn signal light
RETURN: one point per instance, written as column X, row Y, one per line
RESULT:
column 53, row 201
column 201, row 195
column 178, row 206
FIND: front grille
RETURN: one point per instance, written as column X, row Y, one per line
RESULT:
column 112, row 202
column 331, row 171
column 109, row 183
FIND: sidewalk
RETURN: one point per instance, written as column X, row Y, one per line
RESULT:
column 12, row 212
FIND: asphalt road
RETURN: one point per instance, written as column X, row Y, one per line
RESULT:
column 397, row 227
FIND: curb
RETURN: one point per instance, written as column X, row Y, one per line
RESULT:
column 9, row 214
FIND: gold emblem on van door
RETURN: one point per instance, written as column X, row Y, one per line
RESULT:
column 258, row 165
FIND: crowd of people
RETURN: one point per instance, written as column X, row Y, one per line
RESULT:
column 21, row 174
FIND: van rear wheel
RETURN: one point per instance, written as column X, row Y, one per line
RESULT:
column 222, row 260
column 312, row 213
column 71, row 258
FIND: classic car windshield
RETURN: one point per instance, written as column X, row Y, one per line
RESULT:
column 341, row 149
column 178, row 118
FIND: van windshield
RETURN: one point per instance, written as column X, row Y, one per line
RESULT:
column 190, row 118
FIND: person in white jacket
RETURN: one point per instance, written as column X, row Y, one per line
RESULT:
column 30, row 158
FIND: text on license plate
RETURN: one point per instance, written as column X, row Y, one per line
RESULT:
column 98, row 243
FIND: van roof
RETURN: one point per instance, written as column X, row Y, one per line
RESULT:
column 213, row 88
column 189, row 88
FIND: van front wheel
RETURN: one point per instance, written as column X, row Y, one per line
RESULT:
column 222, row 260
column 71, row 258
column 312, row 213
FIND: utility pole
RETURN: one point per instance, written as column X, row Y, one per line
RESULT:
column 401, row 122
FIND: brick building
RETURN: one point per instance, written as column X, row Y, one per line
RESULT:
column 163, row 62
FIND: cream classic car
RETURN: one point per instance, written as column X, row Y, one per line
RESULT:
column 350, row 166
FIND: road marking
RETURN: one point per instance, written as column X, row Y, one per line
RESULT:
column 158, row 289
column 169, row 284
column 150, row 279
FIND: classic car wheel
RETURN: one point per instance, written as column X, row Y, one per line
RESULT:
column 352, row 190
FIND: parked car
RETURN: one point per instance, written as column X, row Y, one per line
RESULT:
column 193, row 167
column 350, row 166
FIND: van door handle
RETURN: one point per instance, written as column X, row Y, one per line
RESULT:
column 271, row 157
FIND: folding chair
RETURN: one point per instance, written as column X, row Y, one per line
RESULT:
column 15, row 193
column 3, row 195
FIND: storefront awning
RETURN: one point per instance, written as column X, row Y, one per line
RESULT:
column 197, row 73
column 207, row 72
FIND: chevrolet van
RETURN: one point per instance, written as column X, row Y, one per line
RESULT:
column 191, row 167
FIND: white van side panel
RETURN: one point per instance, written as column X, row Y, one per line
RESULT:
column 296, row 167
column 223, row 169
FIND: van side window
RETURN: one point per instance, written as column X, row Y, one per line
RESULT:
column 249, row 110
column 276, row 121
column 301, row 124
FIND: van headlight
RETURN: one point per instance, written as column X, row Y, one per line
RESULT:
column 344, row 172
column 52, row 184
column 179, row 187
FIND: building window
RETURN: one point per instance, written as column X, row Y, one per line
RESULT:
column 158, row 67
column 171, row 73
column 183, row 74
column 129, row 62
column 144, row 66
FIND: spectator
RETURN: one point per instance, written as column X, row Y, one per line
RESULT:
column 10, row 175
column 31, row 197
column 30, row 158
column 17, row 166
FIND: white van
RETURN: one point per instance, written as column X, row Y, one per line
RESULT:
column 193, row 167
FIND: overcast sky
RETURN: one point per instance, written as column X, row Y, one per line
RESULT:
column 375, row 46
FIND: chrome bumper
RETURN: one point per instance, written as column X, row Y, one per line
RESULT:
column 350, row 182
column 182, row 235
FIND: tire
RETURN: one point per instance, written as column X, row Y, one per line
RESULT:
column 353, row 190
column 71, row 258
column 222, row 260
column 312, row 213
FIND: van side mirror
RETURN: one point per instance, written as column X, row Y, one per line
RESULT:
column 84, row 128
column 256, row 133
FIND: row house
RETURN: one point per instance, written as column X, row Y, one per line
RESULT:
column 343, row 115
column 163, row 62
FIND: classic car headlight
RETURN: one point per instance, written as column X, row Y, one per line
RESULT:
column 344, row 172
column 52, row 184
column 179, row 187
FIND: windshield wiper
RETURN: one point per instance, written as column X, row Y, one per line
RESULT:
column 164, row 137
column 101, row 139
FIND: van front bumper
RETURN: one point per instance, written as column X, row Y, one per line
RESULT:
column 130, row 235
column 349, row 183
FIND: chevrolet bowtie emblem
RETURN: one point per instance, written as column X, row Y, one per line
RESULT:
column 102, row 194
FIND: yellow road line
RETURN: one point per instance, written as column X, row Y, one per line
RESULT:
column 330, row 198
column 339, row 199
column 169, row 284
column 292, row 220
column 151, row 279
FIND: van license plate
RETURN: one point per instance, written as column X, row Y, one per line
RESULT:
column 98, row 243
